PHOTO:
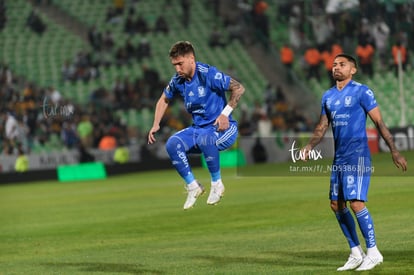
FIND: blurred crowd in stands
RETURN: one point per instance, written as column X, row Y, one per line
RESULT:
column 39, row 118
column 376, row 32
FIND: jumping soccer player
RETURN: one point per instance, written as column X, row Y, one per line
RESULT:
column 345, row 106
column 203, row 89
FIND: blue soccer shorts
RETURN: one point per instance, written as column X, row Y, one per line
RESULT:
column 350, row 180
column 193, row 136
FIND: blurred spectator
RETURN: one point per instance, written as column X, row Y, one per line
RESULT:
column 365, row 53
column 245, row 124
column 119, row 91
column 68, row 71
column 216, row 38
column 119, row 6
column 95, row 38
column 69, row 135
column 150, row 76
column 3, row 17
column 259, row 151
column 296, row 33
column 322, row 28
column 6, row 75
column 365, row 33
column 287, row 57
column 327, row 57
column 112, row 15
column 313, row 60
column 141, row 26
column 108, row 40
column 11, row 128
column 381, row 32
column 345, row 30
column 129, row 48
column 121, row 57
column 261, row 22
column 85, row 131
column 399, row 54
column 121, row 154
column 185, row 17
column 336, row 49
column 129, row 25
column 55, row 95
column 84, row 155
column 35, row 23
column 144, row 49
column 107, row 142
column 22, row 162
column 161, row 25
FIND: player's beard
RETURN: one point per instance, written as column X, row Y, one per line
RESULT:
column 338, row 76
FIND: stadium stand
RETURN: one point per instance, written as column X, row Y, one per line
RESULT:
column 39, row 59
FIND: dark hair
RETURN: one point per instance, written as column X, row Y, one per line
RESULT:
column 181, row 48
column 350, row 58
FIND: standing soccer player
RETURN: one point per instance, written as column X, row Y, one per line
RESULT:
column 203, row 89
column 345, row 106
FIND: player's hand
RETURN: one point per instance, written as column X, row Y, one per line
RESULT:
column 151, row 137
column 222, row 123
column 304, row 153
column 399, row 161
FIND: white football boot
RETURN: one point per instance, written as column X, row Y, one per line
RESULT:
column 370, row 262
column 352, row 263
column 192, row 196
column 216, row 192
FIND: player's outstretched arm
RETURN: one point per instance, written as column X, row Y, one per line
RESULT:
column 398, row 159
column 160, row 108
column 318, row 134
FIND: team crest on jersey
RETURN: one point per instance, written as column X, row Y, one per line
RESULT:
column 218, row 76
column 201, row 91
column 348, row 100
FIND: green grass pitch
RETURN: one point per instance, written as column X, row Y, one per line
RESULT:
column 134, row 224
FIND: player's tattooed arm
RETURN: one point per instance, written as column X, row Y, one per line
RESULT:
column 376, row 117
column 386, row 135
column 319, row 132
column 237, row 91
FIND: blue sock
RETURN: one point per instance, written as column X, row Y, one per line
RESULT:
column 189, row 178
column 215, row 176
column 347, row 224
column 367, row 227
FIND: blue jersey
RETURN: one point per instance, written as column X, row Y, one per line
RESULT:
column 204, row 96
column 347, row 113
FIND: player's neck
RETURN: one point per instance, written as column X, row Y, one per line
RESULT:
column 341, row 84
column 191, row 75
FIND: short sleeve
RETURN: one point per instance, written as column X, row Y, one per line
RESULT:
column 368, row 101
column 218, row 80
column 169, row 89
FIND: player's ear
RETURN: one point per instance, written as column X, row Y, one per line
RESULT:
column 354, row 70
